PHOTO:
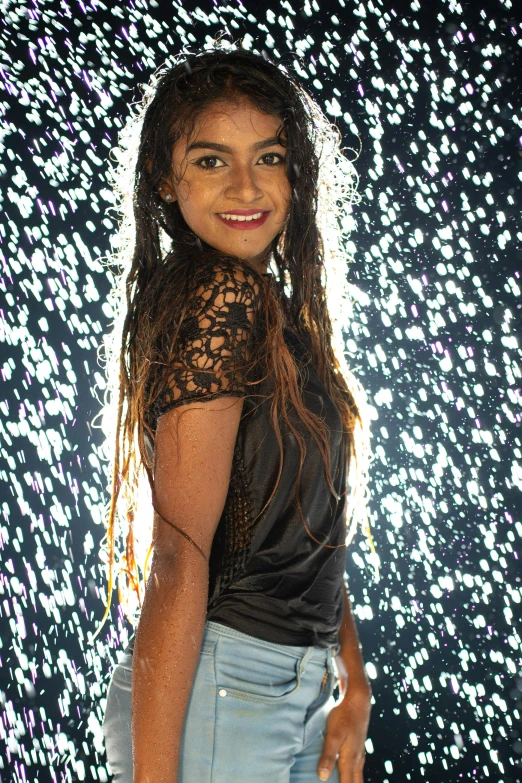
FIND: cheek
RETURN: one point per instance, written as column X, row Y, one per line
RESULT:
column 285, row 190
column 183, row 191
column 195, row 200
column 196, row 193
column 286, row 197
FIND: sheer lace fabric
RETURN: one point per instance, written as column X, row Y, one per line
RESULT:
column 213, row 342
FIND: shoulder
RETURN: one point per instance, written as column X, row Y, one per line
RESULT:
column 228, row 281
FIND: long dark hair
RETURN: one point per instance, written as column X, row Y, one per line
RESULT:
column 159, row 259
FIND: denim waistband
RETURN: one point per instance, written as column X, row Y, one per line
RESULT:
column 312, row 653
column 306, row 653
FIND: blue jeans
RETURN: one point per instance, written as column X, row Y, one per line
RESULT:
column 257, row 712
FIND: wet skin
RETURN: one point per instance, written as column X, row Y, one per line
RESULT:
column 232, row 163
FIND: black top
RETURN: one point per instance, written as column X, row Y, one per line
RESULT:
column 268, row 577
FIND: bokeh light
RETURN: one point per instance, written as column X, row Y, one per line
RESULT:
column 428, row 93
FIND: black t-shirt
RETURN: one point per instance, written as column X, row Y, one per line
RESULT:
column 268, row 577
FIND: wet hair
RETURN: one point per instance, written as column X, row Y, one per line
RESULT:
column 158, row 256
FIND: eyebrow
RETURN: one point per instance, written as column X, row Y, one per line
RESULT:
column 211, row 145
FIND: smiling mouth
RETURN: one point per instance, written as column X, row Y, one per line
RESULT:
column 241, row 218
column 243, row 222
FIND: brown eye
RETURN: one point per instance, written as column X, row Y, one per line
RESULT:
column 274, row 158
column 208, row 162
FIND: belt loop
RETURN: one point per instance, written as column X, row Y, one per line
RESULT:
column 304, row 660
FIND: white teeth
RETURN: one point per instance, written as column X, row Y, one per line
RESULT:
column 241, row 218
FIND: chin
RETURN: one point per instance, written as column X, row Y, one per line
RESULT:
column 246, row 254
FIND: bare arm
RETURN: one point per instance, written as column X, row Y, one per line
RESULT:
column 193, row 459
column 350, row 660
column 194, row 447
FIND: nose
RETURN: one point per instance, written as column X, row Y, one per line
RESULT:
column 242, row 185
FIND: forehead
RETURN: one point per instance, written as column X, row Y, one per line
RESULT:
column 235, row 122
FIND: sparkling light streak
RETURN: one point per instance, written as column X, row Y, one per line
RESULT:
column 430, row 90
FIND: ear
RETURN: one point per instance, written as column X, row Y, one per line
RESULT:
column 165, row 190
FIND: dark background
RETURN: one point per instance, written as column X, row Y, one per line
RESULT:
column 433, row 91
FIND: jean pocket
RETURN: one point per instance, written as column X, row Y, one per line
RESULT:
column 247, row 675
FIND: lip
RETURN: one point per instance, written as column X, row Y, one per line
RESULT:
column 243, row 225
column 243, row 212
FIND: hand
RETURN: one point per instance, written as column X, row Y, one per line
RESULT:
column 346, row 730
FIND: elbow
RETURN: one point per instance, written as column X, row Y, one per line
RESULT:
column 184, row 564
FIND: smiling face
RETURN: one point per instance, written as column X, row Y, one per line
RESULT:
column 229, row 178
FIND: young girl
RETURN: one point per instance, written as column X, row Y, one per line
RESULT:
column 249, row 434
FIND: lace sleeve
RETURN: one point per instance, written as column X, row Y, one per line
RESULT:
column 209, row 355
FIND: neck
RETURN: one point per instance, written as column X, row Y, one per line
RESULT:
column 261, row 264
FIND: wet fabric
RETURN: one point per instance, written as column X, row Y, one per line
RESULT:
column 257, row 712
column 268, row 577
